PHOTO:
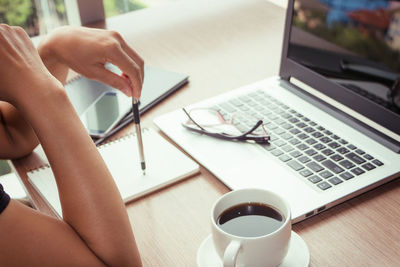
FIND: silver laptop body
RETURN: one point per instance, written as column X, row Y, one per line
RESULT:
column 355, row 144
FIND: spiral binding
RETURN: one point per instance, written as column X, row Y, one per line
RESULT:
column 107, row 143
column 120, row 139
column 39, row 168
column 77, row 77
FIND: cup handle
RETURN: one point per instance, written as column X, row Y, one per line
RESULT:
column 231, row 252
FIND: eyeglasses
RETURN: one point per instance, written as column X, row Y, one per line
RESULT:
column 238, row 127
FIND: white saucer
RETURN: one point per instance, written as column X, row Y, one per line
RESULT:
column 298, row 254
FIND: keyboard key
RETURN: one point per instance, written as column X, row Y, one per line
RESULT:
column 294, row 141
column 227, row 107
column 279, row 131
column 326, row 174
column 236, row 102
column 319, row 146
column 335, row 181
column 306, row 173
column 334, row 145
column 311, row 152
column 301, row 125
column 287, row 148
column 335, row 137
column 302, row 147
column 332, row 166
column 244, row 108
column 273, row 137
column 325, row 139
column 295, row 131
column 346, row 176
column 314, row 179
column 355, row 158
column 309, row 129
column 368, row 166
column 324, row 185
column 271, row 126
column 336, row 157
column 279, row 121
column 287, row 126
column 295, row 165
column 315, row 166
column 268, row 147
column 368, row 157
column 342, row 150
column 295, row 154
column 285, row 158
column 277, row 152
column 320, row 128
column 359, row 151
column 311, row 141
column 327, row 152
column 302, row 136
column 357, row 171
column 244, row 98
column 347, row 164
column 327, row 132
column 293, row 120
column 312, row 123
column 352, row 147
column 272, row 117
column 343, row 142
column 377, row 162
column 319, row 158
column 305, row 119
column 286, row 136
column 279, row 143
column 304, row 159
column 317, row 134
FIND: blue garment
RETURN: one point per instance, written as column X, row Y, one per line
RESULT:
column 4, row 199
column 340, row 8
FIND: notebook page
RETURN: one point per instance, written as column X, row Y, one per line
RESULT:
column 165, row 164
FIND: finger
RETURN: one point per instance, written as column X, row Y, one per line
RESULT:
column 113, row 80
column 132, row 53
column 119, row 58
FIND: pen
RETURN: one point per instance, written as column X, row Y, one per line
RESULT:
column 136, row 120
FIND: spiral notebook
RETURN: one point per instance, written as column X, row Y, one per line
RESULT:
column 165, row 164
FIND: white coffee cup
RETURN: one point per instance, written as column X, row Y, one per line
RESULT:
column 264, row 250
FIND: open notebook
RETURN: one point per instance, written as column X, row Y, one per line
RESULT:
column 165, row 165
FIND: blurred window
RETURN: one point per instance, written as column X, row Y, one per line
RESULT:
column 35, row 16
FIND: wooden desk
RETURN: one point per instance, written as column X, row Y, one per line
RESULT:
column 222, row 45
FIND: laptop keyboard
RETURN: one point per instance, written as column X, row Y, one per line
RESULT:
column 321, row 157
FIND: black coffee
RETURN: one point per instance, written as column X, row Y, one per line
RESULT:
column 250, row 220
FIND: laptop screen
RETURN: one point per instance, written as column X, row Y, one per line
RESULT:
column 349, row 50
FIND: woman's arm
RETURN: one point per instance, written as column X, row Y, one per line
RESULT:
column 86, row 51
column 95, row 229
column 17, row 138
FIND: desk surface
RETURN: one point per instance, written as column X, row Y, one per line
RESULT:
column 223, row 45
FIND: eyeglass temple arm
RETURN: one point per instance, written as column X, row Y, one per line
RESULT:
column 192, row 120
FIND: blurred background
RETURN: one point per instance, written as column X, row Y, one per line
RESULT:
column 41, row 16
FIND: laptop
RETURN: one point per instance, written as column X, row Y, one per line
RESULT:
column 335, row 133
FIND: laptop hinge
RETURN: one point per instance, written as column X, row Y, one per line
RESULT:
column 373, row 130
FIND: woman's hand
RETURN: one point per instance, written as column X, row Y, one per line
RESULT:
column 86, row 51
column 22, row 72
